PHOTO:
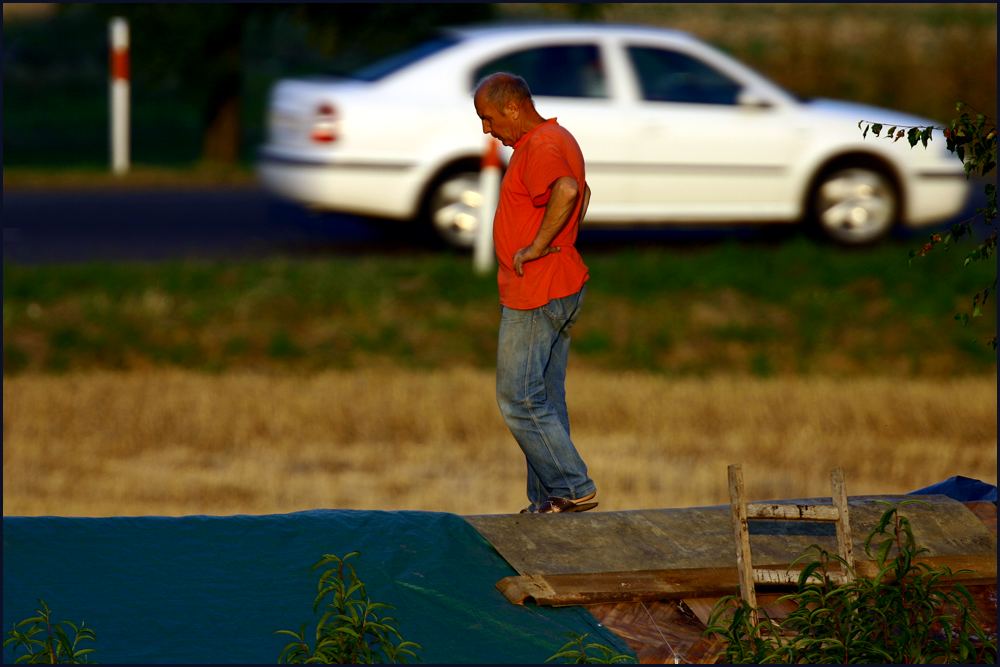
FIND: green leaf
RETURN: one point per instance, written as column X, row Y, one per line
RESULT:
column 343, row 629
column 807, row 572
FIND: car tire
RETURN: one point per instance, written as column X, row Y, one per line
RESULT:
column 854, row 204
column 451, row 206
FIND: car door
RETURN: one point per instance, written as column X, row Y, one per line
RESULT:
column 570, row 81
column 705, row 146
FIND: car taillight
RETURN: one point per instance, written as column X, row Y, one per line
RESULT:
column 324, row 124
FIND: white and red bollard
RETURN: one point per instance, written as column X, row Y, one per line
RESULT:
column 119, row 95
column 489, row 189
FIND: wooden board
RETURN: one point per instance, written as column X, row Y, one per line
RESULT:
column 702, row 537
column 661, row 631
column 603, row 587
column 664, row 632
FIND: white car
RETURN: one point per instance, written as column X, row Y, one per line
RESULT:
column 673, row 131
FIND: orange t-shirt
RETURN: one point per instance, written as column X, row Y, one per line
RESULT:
column 546, row 153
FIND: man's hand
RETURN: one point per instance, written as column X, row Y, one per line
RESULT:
column 530, row 254
column 565, row 191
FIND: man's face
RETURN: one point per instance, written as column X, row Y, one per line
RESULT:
column 500, row 123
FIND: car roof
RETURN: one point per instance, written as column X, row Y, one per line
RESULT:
column 563, row 29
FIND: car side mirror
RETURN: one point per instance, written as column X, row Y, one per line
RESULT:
column 753, row 100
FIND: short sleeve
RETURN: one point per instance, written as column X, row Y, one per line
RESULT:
column 546, row 163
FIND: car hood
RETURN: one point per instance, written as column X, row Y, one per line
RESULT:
column 858, row 112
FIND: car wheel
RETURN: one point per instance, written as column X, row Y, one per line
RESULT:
column 855, row 205
column 453, row 206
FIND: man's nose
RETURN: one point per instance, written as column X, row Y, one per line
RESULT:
column 486, row 127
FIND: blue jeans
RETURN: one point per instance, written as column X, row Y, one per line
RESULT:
column 531, row 391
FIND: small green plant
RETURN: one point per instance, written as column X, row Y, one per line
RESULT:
column 48, row 643
column 905, row 613
column 352, row 629
column 577, row 651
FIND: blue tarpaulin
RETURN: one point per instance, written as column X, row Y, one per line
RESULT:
column 962, row 489
column 202, row 589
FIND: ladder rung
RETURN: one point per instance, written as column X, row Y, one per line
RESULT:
column 763, row 575
column 766, row 575
column 793, row 512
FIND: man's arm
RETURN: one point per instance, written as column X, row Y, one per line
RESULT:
column 565, row 192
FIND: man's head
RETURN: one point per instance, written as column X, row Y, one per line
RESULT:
column 503, row 103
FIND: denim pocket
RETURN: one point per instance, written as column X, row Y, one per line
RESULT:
column 565, row 309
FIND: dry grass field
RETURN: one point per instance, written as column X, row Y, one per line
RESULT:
column 172, row 442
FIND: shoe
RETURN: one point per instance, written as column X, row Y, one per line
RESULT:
column 556, row 504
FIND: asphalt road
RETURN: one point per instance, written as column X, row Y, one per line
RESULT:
column 71, row 226
column 239, row 223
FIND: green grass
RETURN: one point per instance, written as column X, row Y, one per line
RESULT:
column 799, row 307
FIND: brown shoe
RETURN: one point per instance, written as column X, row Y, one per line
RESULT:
column 556, row 504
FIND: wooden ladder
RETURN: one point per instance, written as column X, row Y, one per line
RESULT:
column 742, row 513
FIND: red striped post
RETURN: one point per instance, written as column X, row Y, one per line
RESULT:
column 119, row 95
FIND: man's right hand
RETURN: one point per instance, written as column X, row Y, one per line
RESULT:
column 530, row 254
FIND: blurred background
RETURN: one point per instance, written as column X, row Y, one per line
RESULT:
column 199, row 87
column 176, row 342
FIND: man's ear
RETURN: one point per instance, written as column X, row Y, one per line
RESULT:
column 513, row 109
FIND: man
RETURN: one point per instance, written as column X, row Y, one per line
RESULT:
column 542, row 279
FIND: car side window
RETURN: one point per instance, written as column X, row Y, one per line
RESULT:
column 671, row 76
column 571, row 70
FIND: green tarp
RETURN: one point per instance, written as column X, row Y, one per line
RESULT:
column 202, row 589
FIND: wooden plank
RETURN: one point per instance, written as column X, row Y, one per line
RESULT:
column 583, row 589
column 845, row 538
column 786, row 576
column 677, row 538
column 702, row 607
column 774, row 575
column 985, row 511
column 573, row 589
column 660, row 632
column 531, row 587
column 970, row 569
column 741, row 535
column 792, row 512
column 770, row 602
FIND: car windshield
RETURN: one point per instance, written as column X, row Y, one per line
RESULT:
column 392, row 64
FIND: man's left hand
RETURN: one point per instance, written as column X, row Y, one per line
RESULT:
column 530, row 254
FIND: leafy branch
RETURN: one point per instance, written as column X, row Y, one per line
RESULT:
column 972, row 136
column 353, row 629
column 578, row 651
column 48, row 643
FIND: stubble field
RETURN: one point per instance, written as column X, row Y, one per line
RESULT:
column 176, row 442
column 272, row 386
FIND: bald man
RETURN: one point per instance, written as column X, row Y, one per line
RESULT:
column 542, row 280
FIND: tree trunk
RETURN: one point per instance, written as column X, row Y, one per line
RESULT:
column 221, row 113
column 221, row 139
